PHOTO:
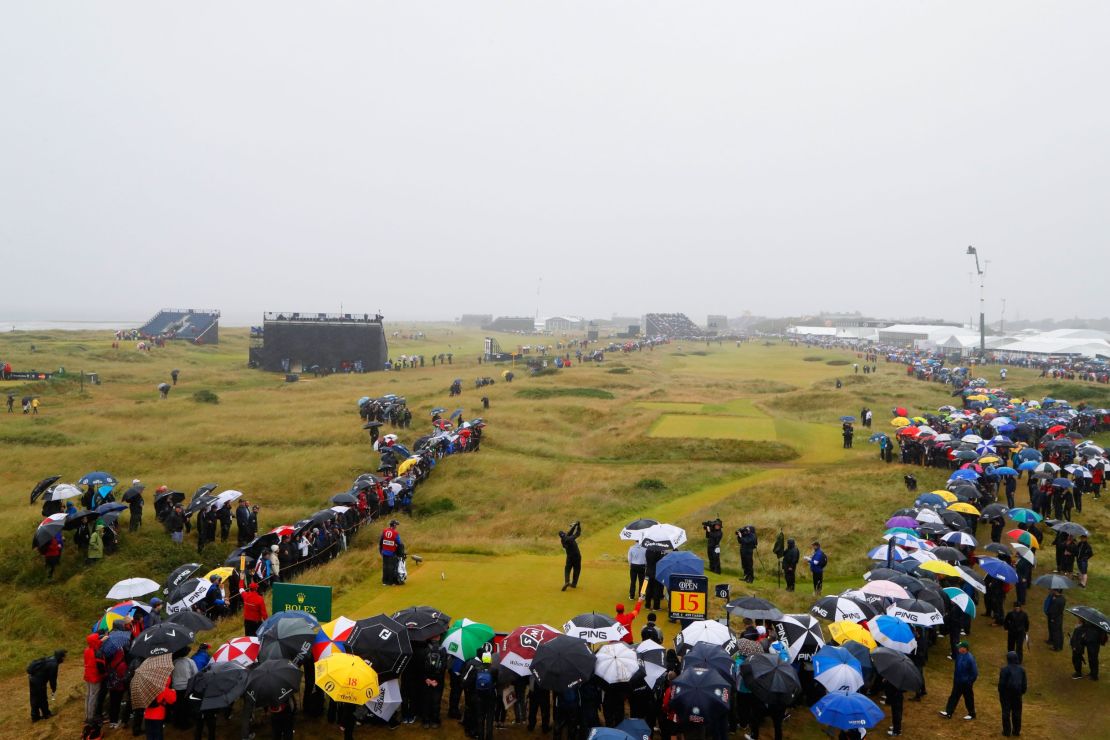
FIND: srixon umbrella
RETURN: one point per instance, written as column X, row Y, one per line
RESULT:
column 897, row 668
column 384, row 642
column 562, row 663
column 219, row 685
column 847, row 711
column 161, row 639
column 517, row 649
column 272, row 681
column 773, row 682
column 699, row 695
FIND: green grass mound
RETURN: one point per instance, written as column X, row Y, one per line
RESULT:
column 542, row 393
column 34, row 437
column 837, row 363
column 655, row 449
column 206, row 396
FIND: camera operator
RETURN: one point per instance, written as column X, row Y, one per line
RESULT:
column 713, row 535
column 748, row 542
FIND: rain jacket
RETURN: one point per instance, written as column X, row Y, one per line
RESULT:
column 157, row 708
column 94, row 659
column 44, row 671
column 627, row 618
column 967, row 670
column 254, row 606
column 96, row 544
column 1012, row 679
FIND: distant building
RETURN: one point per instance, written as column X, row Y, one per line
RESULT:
column 525, row 324
column 475, row 319
column 907, row 334
column 200, row 326
column 716, row 323
column 564, row 323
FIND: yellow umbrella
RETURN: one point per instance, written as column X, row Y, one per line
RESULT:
column 224, row 573
column 989, row 410
column 347, row 678
column 940, row 567
column 406, row 465
column 990, row 459
column 899, row 421
column 963, row 508
column 946, row 495
column 843, row 631
column 921, row 420
column 977, row 398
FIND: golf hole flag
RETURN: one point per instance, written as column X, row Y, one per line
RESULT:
column 689, row 596
column 296, row 597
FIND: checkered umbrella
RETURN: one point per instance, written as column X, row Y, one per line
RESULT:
column 150, row 679
column 241, row 650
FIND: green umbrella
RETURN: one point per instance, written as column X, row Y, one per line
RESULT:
column 465, row 637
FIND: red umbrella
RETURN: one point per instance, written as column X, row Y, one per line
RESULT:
column 283, row 530
column 517, row 649
column 1056, row 429
column 900, row 411
column 909, row 432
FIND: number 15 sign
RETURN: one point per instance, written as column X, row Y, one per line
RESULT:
column 689, row 596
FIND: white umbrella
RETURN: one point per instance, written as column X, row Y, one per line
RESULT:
column 64, row 491
column 226, row 498
column 956, row 539
column 130, row 588
column 616, row 663
column 928, row 516
column 665, row 534
column 704, row 630
column 654, row 657
column 1025, row 552
column 594, row 627
column 889, row 589
column 386, row 703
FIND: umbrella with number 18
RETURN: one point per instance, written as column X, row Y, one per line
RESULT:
column 347, row 678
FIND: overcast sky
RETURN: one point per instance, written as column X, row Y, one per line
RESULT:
column 436, row 158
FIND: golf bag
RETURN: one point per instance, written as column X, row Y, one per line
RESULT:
column 402, row 569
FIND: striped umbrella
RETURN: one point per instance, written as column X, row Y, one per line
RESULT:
column 332, row 637
column 962, row 600
column 465, row 637
column 893, row 633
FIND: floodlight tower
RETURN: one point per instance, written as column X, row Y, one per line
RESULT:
column 982, row 309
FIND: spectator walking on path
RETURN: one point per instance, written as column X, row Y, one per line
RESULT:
column 1012, row 684
column 41, row 673
column 965, row 673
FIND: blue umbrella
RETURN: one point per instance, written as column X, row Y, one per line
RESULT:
column 1030, row 454
column 995, row 568
column 964, row 474
column 97, row 478
column 927, row 499
column 364, row 399
column 112, row 507
column 837, row 669
column 1024, row 516
column 1062, row 483
column 884, row 552
column 1007, row 428
column 608, row 733
column 1028, row 465
column 1004, row 470
column 848, row 418
column 847, row 711
column 679, row 561
column 273, row 621
column 893, row 633
column 637, row 728
column 875, row 437
column 986, row 449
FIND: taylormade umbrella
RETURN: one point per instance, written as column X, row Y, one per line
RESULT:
column 562, row 663
column 664, row 536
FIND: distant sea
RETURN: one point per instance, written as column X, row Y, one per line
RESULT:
column 55, row 325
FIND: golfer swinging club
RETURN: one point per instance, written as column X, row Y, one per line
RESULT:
column 569, row 541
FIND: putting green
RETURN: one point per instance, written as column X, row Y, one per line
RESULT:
column 714, row 427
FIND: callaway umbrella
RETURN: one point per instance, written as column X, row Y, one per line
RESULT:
column 517, row 649
column 44, row 484
column 129, row 588
column 1054, row 581
column 897, row 668
column 423, row 622
column 837, row 608
column 594, row 627
column 682, row 562
column 837, row 669
column 219, row 685
column 1093, row 616
column 847, row 711
column 704, row 655
column 150, row 679
column 271, row 681
column 384, row 642
column 347, row 678
column 191, row 620
column 700, row 693
column 465, row 637
column 562, row 663
column 753, row 607
column 617, row 662
column 160, row 639
column 773, row 682
column 703, row 630
column 242, row 651
column 801, row 634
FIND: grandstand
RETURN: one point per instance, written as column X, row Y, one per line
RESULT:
column 200, row 326
column 319, row 343
column 673, row 325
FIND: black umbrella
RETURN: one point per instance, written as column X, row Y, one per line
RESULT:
column 1055, row 581
column 179, row 575
column 699, row 694
column 423, row 622
column 897, row 668
column 206, row 488
column 948, row 554
column 880, row 574
column 42, row 485
column 1093, row 616
column 562, row 663
column 773, row 682
column 1075, row 530
column 131, row 494
column 239, row 552
column 384, row 642
column 113, row 507
column 47, row 530
column 954, row 519
column 199, row 503
column 272, row 681
column 191, row 620
column 715, row 657
column 344, row 499
column 288, row 639
column 161, row 638
column 175, row 497
column 371, row 425
column 992, row 511
column 75, row 520
column 997, row 547
column 862, row 653
column 219, row 685
column 753, row 607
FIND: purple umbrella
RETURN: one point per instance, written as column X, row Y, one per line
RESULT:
column 902, row 521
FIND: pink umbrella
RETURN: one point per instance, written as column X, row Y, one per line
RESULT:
column 888, row 589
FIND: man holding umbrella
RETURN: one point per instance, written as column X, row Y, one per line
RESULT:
column 1090, row 638
column 133, row 496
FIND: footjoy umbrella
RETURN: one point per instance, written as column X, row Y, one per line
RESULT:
column 1093, row 616
column 161, row 639
column 240, row 650
column 517, row 649
column 753, row 607
column 1054, row 581
column 686, row 563
column 801, row 634
column 897, row 668
column 703, row 630
column 893, row 633
column 773, row 682
column 384, row 642
column 634, row 530
column 837, row 669
column 272, row 681
column 617, row 662
column 562, row 663
column 130, row 588
column 838, row 608
column 847, row 711
column 219, row 685
column 465, row 637
column 150, row 679
column 594, row 627
column 347, row 678
column 700, row 695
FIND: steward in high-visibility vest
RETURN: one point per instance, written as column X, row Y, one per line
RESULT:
column 391, row 548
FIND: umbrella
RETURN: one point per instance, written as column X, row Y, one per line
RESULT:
column 636, row 728
column 633, row 530
column 841, row 608
column 662, row 536
column 61, row 492
column 961, row 599
column 48, row 529
column 995, row 568
column 843, row 632
column 219, row 685
column 562, row 662
column 1093, row 616
column 847, row 711
column 682, row 562
column 963, row 508
column 837, row 669
column 465, row 638
column 97, row 478
column 753, row 607
column 161, row 638
column 387, row 702
column 1075, row 530
column 1003, row 470
column 949, row 554
column 42, row 485
column 704, row 655
column 699, row 695
column 901, row 521
column 174, row 497
column 654, row 659
column 347, row 678
column 287, row 638
column 990, row 511
column 150, row 679
column 187, row 594
column 898, row 669
column 423, row 622
column 916, row 612
column 240, row 650
column 801, row 634
column 1047, row 467
column 1055, row 581
column 773, row 682
column 344, row 498
column 889, row 589
column 271, row 681
column 384, row 642
column 517, row 649
column 617, row 662
column 594, row 627
column 972, row 578
column 887, row 552
column 893, row 633
column 179, row 575
column 332, row 637
column 703, row 630
column 941, row 568
column 747, row 647
column 191, row 620
column 1024, row 538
